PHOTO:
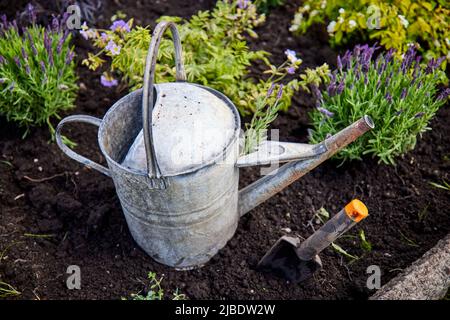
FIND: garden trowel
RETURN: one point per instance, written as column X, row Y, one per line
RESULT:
column 296, row 261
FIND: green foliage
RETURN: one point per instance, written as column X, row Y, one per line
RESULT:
column 216, row 54
column 400, row 96
column 37, row 74
column 394, row 23
column 156, row 292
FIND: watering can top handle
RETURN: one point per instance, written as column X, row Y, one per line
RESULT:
column 149, row 80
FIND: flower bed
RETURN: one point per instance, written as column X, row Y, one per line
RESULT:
column 55, row 213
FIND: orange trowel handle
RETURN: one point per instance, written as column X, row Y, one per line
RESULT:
column 343, row 221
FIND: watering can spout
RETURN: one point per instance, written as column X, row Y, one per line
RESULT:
column 264, row 188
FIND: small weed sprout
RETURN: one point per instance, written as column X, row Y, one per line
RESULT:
column 365, row 245
column 7, row 290
column 156, row 292
column 401, row 96
column 444, row 186
column 37, row 72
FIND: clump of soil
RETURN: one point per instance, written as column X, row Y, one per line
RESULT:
column 55, row 213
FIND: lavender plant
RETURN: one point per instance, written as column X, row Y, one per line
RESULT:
column 401, row 96
column 37, row 72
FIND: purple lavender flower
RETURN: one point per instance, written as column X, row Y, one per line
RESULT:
column 243, row 4
column 389, row 55
column 270, row 91
column 290, row 70
column 31, row 13
column 14, row 25
column 378, row 84
column 41, row 63
column 2, row 60
column 12, row 86
column 120, row 26
column 108, row 81
column 340, row 87
column 113, row 48
column 433, row 64
column 30, row 39
column 403, row 94
column 346, row 59
column 69, row 57
column 17, row 61
column 24, row 54
column 50, row 58
column 339, row 62
column 388, row 79
column 27, row 69
column 407, row 59
column 325, row 112
column 280, row 92
column 331, row 90
column 316, row 92
column 388, row 97
column 47, row 42
column 444, row 94
column 61, row 41
column 4, row 21
column 419, row 115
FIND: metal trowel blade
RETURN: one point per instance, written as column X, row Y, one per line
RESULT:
column 283, row 261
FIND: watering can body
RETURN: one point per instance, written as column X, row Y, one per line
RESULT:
column 183, row 214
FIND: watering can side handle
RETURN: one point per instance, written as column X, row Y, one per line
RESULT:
column 147, row 94
column 69, row 152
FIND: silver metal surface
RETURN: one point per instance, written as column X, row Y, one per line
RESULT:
column 191, row 128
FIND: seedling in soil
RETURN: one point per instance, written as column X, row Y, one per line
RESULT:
column 341, row 251
column 7, row 290
column 408, row 241
column 365, row 245
column 7, row 163
column 423, row 213
column 156, row 292
column 445, row 185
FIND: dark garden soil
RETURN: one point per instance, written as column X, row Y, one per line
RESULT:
column 54, row 213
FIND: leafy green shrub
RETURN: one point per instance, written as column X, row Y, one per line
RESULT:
column 401, row 96
column 37, row 73
column 394, row 23
column 215, row 55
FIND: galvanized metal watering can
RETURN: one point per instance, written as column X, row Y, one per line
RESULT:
column 182, row 212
